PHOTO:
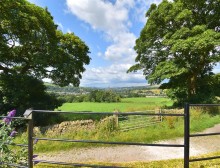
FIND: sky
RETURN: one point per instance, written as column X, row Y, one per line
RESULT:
column 109, row 28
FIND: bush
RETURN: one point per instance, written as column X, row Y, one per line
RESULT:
column 8, row 154
column 22, row 92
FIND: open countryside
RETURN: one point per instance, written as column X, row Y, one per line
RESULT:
column 169, row 128
column 109, row 83
column 126, row 105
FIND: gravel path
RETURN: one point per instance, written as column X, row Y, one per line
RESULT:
column 198, row 146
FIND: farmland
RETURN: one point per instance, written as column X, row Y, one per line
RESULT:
column 126, row 105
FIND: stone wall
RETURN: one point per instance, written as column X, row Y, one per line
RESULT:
column 63, row 127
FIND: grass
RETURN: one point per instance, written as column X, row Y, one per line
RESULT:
column 173, row 163
column 171, row 127
column 127, row 104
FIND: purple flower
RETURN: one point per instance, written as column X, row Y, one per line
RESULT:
column 12, row 113
column 8, row 119
column 36, row 162
column 34, row 156
column 35, row 141
column 13, row 133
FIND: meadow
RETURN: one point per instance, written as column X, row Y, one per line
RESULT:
column 171, row 127
column 126, row 105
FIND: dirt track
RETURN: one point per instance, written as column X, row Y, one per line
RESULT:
column 198, row 145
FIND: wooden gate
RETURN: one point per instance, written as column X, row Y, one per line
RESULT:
column 131, row 122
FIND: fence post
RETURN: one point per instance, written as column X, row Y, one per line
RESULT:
column 161, row 117
column 28, row 114
column 186, row 135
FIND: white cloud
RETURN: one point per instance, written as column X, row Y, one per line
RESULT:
column 112, row 76
column 99, row 14
column 113, row 19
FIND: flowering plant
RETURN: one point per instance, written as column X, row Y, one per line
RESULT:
column 8, row 152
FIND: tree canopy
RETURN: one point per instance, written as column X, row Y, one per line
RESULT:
column 180, row 42
column 31, row 44
column 31, row 49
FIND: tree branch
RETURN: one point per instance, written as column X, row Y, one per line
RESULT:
column 6, row 70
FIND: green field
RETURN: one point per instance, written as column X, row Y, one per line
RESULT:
column 126, row 105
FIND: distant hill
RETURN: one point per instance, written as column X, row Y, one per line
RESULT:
column 134, row 91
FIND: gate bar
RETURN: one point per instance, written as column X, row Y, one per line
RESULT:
column 75, row 164
column 108, row 113
column 106, row 142
column 207, row 158
column 204, row 104
column 208, row 134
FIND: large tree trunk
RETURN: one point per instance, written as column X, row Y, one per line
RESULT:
column 192, row 80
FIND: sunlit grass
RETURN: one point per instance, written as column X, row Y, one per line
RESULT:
column 127, row 104
column 162, row 131
column 173, row 163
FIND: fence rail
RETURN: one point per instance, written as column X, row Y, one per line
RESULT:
column 186, row 145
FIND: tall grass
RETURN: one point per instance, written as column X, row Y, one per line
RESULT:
column 171, row 127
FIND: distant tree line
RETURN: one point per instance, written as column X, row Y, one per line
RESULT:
column 94, row 96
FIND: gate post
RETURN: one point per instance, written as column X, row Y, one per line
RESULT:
column 186, row 135
column 28, row 115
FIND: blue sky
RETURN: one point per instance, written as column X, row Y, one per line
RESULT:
column 109, row 28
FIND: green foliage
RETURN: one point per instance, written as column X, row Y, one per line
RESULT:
column 31, row 44
column 103, row 96
column 8, row 152
column 94, row 96
column 31, row 49
column 107, row 126
column 23, row 92
column 180, row 42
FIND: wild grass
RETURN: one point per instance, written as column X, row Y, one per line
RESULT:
column 171, row 127
column 173, row 163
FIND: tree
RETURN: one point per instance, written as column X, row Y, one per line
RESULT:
column 180, row 42
column 31, row 44
column 21, row 92
column 31, row 48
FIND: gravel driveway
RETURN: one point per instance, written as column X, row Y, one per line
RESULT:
column 198, row 146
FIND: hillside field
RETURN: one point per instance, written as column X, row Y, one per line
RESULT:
column 126, row 105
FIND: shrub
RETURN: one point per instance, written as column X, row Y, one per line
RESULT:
column 8, row 153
